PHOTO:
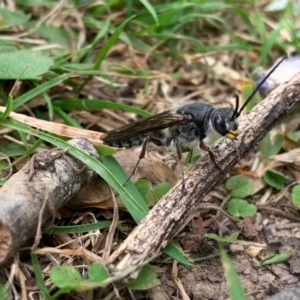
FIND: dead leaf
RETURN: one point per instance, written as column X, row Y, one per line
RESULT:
column 95, row 194
column 151, row 167
column 249, row 230
column 253, row 251
column 291, row 157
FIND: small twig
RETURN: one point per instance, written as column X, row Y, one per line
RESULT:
column 220, row 209
column 112, row 229
column 278, row 212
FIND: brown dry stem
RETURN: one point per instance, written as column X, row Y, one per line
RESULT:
column 172, row 211
column 32, row 195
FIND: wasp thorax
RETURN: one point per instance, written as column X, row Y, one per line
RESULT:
column 223, row 123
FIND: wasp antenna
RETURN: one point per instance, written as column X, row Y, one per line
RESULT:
column 258, row 87
column 236, row 107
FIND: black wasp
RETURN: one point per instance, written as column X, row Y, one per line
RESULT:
column 187, row 125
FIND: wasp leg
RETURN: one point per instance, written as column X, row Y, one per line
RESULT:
column 179, row 156
column 211, row 155
column 142, row 155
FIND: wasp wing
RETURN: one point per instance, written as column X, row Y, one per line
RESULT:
column 156, row 122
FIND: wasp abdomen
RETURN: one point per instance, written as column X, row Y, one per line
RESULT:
column 137, row 140
column 126, row 143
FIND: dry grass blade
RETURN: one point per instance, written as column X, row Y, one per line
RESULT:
column 56, row 128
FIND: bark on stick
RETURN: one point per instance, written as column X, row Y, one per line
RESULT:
column 34, row 193
column 172, row 211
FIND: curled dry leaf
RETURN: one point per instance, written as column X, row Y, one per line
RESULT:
column 291, row 157
column 151, row 167
column 95, row 194
column 249, row 230
column 253, row 251
column 192, row 241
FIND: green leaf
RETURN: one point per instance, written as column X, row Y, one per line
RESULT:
column 239, row 186
column 2, row 182
column 105, row 150
column 241, row 208
column 3, row 293
column 97, row 273
column 161, row 189
column 65, row 277
column 56, row 35
column 293, row 136
column 235, row 287
column 12, row 149
column 278, row 258
column 146, row 280
column 275, row 179
column 176, row 252
column 12, row 64
column 3, row 165
column 296, row 196
column 227, row 239
column 10, row 18
column 267, row 148
column 144, row 188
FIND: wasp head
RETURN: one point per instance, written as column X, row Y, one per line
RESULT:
column 223, row 123
column 224, row 120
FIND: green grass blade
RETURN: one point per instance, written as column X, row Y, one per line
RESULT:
column 151, row 10
column 139, row 206
column 235, row 288
column 49, row 104
column 40, row 89
column 104, row 29
column 27, row 152
column 268, row 45
column 260, row 26
column 176, row 252
column 84, row 104
column 39, row 277
column 9, row 107
column 77, row 228
column 110, row 43
column 66, row 118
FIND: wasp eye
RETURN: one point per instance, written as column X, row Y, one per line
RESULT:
column 220, row 125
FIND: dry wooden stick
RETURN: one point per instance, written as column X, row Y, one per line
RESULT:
column 32, row 195
column 172, row 211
